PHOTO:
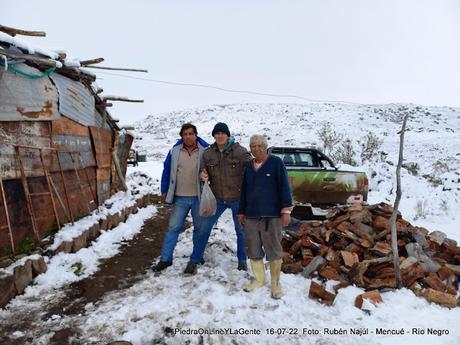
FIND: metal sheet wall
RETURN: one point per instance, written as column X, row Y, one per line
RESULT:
column 27, row 99
column 76, row 101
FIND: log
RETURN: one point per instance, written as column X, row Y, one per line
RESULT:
column 13, row 32
column 349, row 258
column 358, row 270
column 381, row 283
column 341, row 285
column 292, row 268
column 317, row 263
column 35, row 59
column 372, row 296
column 381, row 249
column 329, row 273
column 122, row 99
column 440, row 298
column 320, row 294
column 91, row 62
column 433, row 281
column 412, row 274
column 119, row 69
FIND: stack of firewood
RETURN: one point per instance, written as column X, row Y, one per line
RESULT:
column 353, row 246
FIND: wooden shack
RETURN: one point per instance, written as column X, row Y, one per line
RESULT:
column 61, row 152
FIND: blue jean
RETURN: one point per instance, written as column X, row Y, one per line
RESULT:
column 199, row 245
column 182, row 205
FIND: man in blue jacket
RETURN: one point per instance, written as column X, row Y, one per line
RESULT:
column 180, row 185
column 265, row 207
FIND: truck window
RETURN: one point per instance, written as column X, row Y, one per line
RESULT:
column 297, row 159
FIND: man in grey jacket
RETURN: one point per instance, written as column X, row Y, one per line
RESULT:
column 223, row 164
column 180, row 185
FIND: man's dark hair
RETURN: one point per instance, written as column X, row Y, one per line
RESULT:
column 186, row 126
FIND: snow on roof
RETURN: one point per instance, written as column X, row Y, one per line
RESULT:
column 30, row 48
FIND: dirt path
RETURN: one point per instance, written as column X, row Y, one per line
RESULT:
column 116, row 273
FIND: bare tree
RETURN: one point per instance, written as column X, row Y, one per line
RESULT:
column 328, row 136
column 394, row 234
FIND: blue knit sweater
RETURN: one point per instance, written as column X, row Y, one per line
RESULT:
column 265, row 192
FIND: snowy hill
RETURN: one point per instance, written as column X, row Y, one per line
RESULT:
column 431, row 183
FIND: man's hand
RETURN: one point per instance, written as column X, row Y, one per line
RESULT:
column 241, row 219
column 285, row 219
column 163, row 197
column 204, row 175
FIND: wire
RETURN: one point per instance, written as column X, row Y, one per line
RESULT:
column 258, row 93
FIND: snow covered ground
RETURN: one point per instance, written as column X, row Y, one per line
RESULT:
column 211, row 308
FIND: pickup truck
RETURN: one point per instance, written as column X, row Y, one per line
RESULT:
column 133, row 158
column 317, row 183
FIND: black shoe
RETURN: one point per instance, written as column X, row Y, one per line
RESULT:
column 191, row 268
column 242, row 266
column 202, row 262
column 161, row 266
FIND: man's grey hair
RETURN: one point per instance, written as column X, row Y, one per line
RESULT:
column 258, row 139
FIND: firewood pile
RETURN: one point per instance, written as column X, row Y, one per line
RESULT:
column 353, row 246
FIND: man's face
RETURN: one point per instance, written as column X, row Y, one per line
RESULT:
column 189, row 137
column 221, row 138
column 259, row 151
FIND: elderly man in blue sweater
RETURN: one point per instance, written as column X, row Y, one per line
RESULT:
column 265, row 207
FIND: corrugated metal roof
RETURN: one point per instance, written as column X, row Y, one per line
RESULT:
column 26, row 99
column 76, row 101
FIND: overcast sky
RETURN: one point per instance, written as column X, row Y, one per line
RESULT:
column 364, row 51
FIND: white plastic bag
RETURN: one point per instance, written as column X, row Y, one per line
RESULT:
column 208, row 203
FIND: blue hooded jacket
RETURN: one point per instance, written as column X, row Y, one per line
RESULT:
column 168, row 177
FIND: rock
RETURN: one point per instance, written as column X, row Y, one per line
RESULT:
column 23, row 276
column 317, row 263
column 64, row 247
column 440, row 298
column 320, row 294
column 80, row 242
column 7, row 289
column 372, row 296
column 39, row 266
column 5, row 262
column 120, row 342
column 103, row 223
column 94, row 232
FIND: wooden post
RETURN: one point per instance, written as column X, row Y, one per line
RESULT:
column 118, row 168
column 394, row 233
column 47, row 178
column 65, row 187
column 7, row 216
column 26, row 192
